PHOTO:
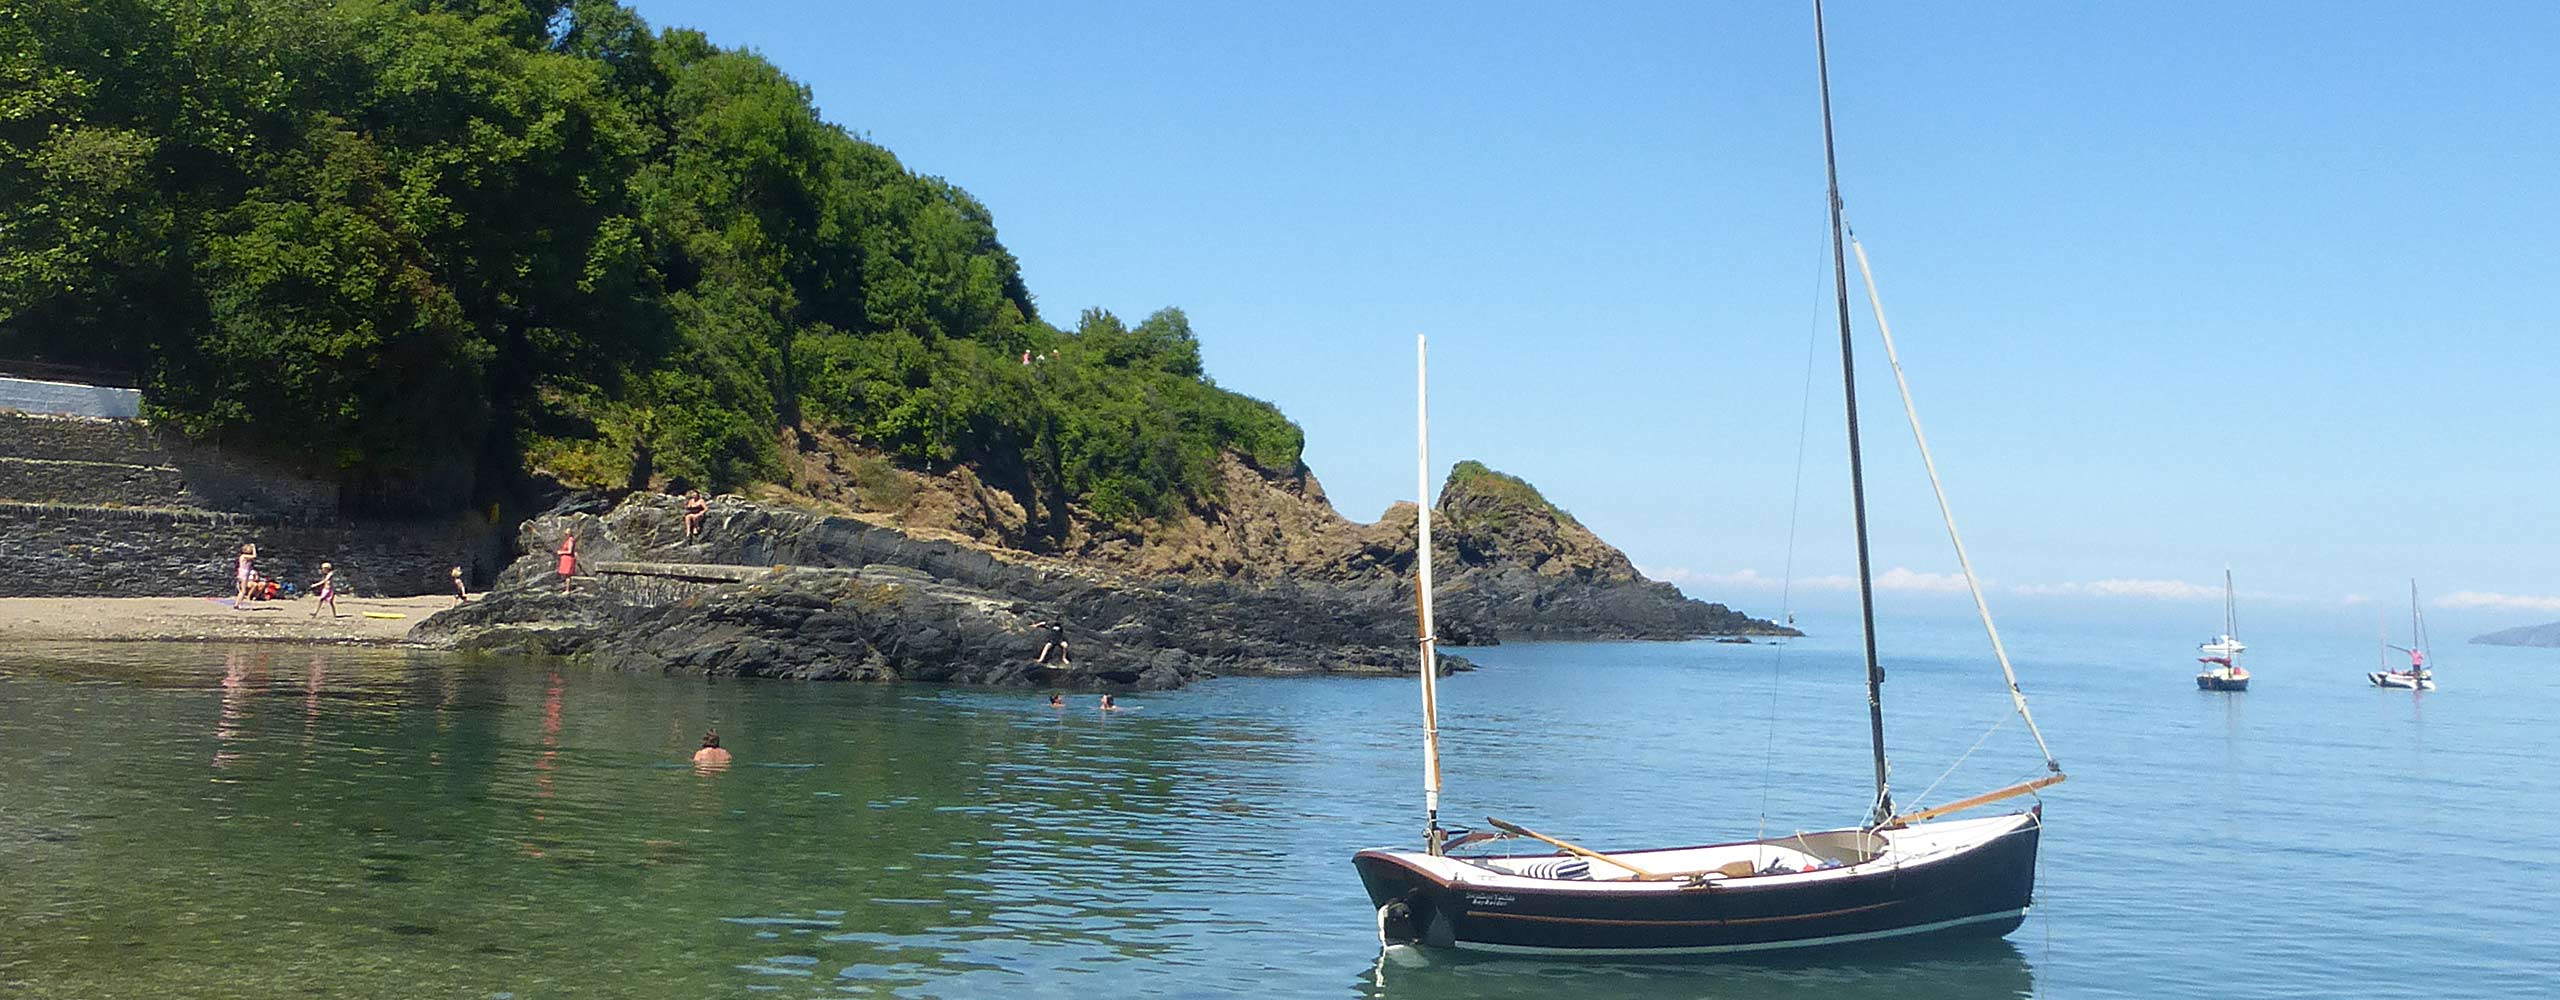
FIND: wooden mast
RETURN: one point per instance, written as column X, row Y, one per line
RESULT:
column 1431, row 838
column 1882, row 809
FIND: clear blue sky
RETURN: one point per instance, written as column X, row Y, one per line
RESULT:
column 2178, row 284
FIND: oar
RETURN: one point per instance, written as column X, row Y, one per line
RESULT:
column 1512, row 828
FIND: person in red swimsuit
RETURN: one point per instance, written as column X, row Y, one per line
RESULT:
column 568, row 559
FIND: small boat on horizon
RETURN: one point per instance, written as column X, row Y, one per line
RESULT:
column 2418, row 677
column 2222, row 670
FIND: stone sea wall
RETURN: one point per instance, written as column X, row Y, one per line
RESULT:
column 59, row 550
column 107, row 507
column 35, row 395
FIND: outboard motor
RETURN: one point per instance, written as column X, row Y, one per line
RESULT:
column 1411, row 920
column 1396, row 924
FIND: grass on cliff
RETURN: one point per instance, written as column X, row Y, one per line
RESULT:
column 1502, row 495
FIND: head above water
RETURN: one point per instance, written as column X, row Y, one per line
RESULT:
column 711, row 740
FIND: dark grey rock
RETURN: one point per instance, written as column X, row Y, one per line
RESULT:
column 852, row 601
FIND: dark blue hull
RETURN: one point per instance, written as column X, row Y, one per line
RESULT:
column 1984, row 890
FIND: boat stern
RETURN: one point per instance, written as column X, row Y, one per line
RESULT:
column 1407, row 897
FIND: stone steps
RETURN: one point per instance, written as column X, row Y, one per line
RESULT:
column 88, row 439
column 74, row 481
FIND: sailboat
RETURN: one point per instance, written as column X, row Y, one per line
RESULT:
column 2222, row 670
column 1897, row 874
column 2418, row 677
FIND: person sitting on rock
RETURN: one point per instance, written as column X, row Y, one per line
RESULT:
column 1054, row 639
column 710, row 757
column 694, row 508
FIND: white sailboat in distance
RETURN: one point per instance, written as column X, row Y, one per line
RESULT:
column 2419, row 677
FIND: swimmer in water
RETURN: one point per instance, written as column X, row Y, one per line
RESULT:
column 1057, row 701
column 1109, row 705
column 710, row 757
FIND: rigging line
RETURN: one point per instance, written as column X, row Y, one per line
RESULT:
column 1998, row 650
column 1804, row 423
column 1787, row 576
column 1923, row 797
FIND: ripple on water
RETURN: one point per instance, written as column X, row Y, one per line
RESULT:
column 1075, row 857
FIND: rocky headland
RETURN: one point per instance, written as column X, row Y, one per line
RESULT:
column 1264, row 579
column 2536, row 636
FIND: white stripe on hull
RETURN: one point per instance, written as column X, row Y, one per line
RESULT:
column 1719, row 949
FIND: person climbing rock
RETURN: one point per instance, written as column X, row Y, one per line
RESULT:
column 1053, row 640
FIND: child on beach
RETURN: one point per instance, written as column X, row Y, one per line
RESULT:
column 459, row 594
column 243, row 574
column 326, row 590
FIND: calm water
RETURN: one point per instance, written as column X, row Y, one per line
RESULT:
column 274, row 822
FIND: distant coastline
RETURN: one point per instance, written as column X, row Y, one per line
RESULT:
column 2534, row 636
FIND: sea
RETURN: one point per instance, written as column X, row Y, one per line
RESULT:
column 278, row 821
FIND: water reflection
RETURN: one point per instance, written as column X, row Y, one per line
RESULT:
column 1956, row 970
column 235, row 701
column 386, row 823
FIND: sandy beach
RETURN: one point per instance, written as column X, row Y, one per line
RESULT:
column 132, row 619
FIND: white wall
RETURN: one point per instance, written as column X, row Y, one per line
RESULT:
column 33, row 396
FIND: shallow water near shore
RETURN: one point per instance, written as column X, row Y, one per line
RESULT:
column 211, row 821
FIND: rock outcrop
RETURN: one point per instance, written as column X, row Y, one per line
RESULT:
column 1263, row 579
column 848, row 600
column 1508, row 562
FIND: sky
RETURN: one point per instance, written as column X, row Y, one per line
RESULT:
column 2179, row 286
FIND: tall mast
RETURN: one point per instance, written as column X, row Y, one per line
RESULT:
column 2417, row 641
column 1882, row 809
column 1422, row 593
column 2417, row 631
column 2230, row 609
